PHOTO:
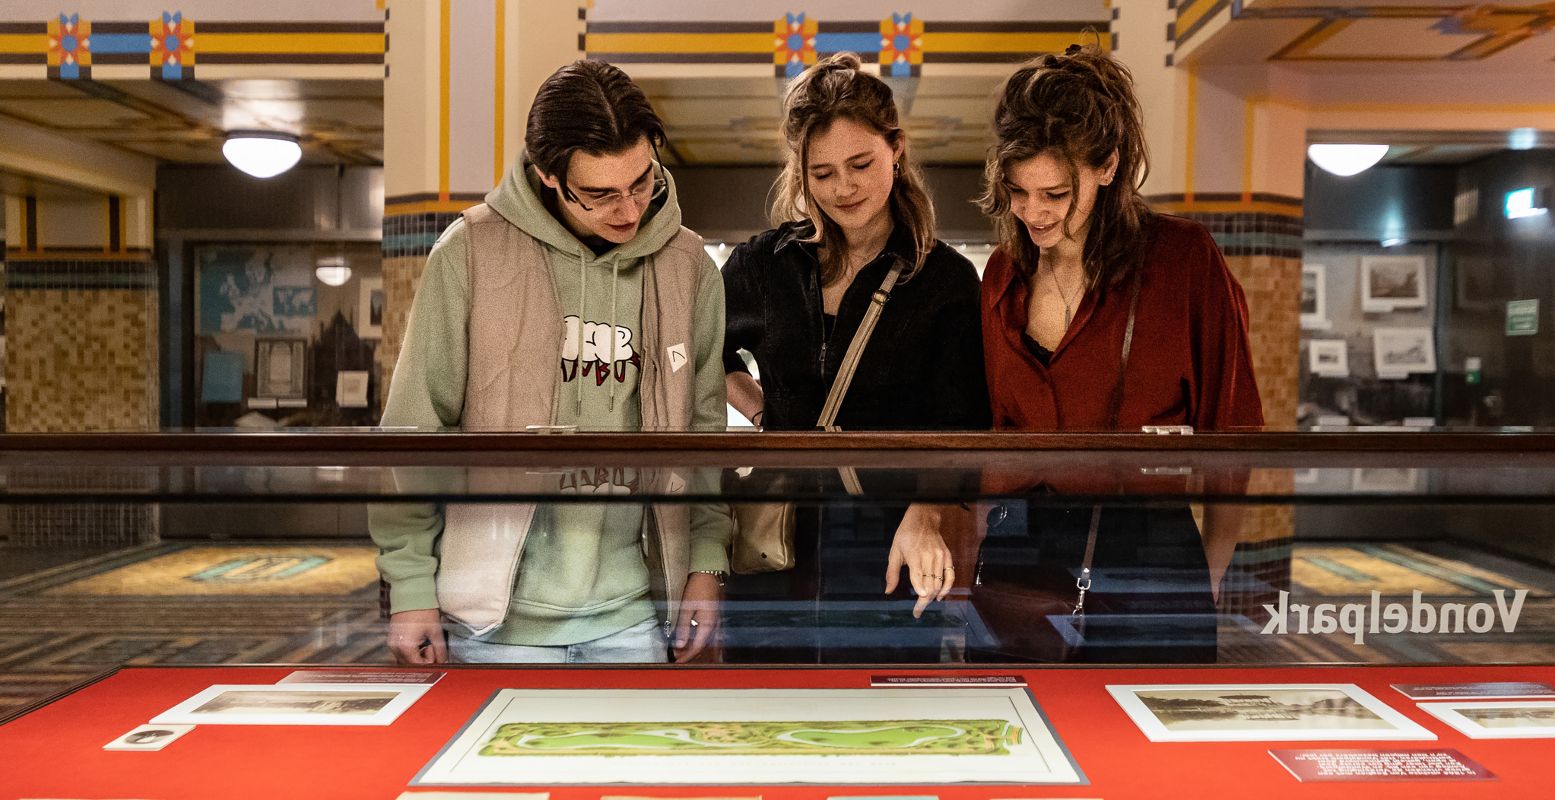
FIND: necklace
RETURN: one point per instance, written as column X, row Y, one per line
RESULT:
column 1068, row 307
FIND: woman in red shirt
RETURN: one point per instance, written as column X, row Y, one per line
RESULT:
column 1100, row 314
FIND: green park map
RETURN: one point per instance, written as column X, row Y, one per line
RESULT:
column 962, row 737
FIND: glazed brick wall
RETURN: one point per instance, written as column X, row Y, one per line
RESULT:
column 80, row 360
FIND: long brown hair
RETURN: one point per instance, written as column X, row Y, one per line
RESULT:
column 834, row 88
column 1080, row 106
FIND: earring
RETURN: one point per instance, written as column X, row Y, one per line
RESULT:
column 896, row 169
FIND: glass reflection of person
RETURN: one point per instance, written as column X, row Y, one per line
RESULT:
column 851, row 204
column 571, row 297
column 1081, row 255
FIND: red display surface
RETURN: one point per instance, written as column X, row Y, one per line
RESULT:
column 56, row 751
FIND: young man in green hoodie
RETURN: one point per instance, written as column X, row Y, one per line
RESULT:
column 571, row 297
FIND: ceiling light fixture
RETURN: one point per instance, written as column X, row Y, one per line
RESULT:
column 1345, row 160
column 332, row 271
column 262, row 154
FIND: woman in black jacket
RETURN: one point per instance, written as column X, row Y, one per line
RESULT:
column 850, row 205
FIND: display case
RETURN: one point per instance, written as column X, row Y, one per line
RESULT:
column 1123, row 615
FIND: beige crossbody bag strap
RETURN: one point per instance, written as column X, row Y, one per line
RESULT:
column 839, row 386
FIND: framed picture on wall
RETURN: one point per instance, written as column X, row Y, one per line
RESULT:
column 280, row 368
column 1400, row 352
column 1389, row 283
column 1314, row 297
column 369, row 312
column 1474, row 284
column 1328, row 358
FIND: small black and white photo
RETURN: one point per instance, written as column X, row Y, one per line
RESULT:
column 1328, row 358
column 1510, row 719
column 1389, row 283
column 149, row 737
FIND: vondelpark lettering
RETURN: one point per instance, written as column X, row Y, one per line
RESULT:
column 1363, row 619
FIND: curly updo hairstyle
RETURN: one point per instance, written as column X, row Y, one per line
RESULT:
column 1079, row 106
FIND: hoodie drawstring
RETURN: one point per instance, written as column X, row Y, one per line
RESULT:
column 583, row 293
column 615, row 281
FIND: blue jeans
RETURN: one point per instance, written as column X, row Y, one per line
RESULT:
column 643, row 643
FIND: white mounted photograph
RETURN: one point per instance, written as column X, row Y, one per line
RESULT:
column 1401, row 352
column 294, row 704
column 1390, row 283
column 1328, row 358
column 1263, row 713
column 875, row 737
column 1314, row 298
column 1507, row 719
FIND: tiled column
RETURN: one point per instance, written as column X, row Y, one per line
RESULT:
column 459, row 82
column 81, row 321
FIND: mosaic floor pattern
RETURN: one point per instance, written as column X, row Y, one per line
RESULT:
column 177, row 604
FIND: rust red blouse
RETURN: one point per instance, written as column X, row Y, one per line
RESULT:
column 1189, row 363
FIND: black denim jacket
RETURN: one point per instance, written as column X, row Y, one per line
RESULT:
column 922, row 369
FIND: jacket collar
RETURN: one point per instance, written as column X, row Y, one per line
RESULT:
column 795, row 234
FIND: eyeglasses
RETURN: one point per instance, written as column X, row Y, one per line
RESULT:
column 640, row 195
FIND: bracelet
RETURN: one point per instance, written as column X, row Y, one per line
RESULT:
column 718, row 574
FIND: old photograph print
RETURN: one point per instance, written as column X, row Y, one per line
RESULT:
column 1262, row 712
column 241, row 702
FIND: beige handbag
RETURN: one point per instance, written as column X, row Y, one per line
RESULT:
column 764, row 532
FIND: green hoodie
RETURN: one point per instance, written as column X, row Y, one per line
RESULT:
column 582, row 575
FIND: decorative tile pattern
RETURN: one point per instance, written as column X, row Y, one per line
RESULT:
column 901, row 46
column 172, row 47
column 412, row 235
column 794, row 45
column 70, row 48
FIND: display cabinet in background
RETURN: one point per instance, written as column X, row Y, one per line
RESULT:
column 1123, row 612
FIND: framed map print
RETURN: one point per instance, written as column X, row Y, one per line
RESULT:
column 876, row 737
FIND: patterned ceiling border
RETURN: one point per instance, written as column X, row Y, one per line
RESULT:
column 69, row 46
column 1498, row 26
column 902, row 43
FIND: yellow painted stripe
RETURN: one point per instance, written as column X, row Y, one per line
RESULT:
column 1000, row 42
column 24, row 43
column 1249, row 142
column 1192, row 14
column 15, row 255
column 445, row 69
column 1228, row 207
column 1192, row 132
column 429, row 207
column 291, row 43
column 499, row 99
column 679, row 43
